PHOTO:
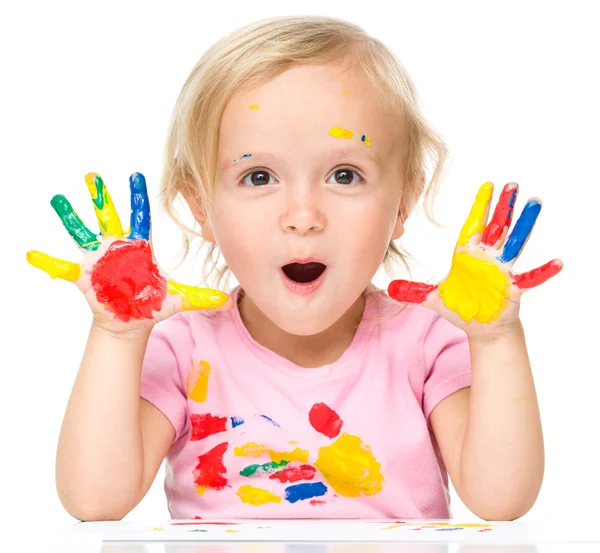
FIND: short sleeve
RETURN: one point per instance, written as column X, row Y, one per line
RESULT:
column 161, row 381
column 447, row 362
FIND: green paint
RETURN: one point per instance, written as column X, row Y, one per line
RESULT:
column 251, row 470
column 74, row 225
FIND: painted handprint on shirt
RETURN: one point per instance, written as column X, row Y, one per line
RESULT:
column 347, row 465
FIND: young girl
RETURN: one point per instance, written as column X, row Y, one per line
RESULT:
column 299, row 146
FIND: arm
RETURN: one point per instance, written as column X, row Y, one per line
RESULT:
column 490, row 435
column 112, row 442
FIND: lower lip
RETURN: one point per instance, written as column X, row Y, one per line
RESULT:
column 303, row 288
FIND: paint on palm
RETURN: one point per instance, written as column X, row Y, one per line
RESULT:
column 124, row 277
column 345, row 466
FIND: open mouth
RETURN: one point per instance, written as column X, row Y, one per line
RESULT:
column 303, row 272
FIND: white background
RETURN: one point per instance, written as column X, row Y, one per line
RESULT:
column 513, row 87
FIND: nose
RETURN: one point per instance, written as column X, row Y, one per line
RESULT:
column 302, row 213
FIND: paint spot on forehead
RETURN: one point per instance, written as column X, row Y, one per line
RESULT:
column 338, row 132
column 366, row 139
column 241, row 157
column 254, row 106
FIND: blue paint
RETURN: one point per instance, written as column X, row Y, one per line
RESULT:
column 521, row 231
column 308, row 490
column 362, row 138
column 236, row 421
column 140, row 208
column 270, row 420
column 241, row 157
column 447, row 529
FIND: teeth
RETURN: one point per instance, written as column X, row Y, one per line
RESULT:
column 303, row 272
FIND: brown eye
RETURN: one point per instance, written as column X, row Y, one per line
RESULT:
column 258, row 178
column 344, row 176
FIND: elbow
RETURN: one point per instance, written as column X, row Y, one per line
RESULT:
column 86, row 509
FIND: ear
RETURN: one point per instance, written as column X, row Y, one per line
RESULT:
column 405, row 209
column 195, row 204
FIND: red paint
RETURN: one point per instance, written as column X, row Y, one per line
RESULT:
column 538, row 276
column 294, row 474
column 410, row 292
column 485, row 530
column 210, row 470
column 197, row 518
column 317, row 502
column 502, row 215
column 206, row 424
column 127, row 281
column 325, row 420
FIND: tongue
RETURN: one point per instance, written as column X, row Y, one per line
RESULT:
column 304, row 272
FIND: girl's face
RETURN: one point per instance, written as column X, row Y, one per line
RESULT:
column 295, row 186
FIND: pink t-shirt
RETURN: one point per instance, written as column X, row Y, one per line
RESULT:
column 258, row 436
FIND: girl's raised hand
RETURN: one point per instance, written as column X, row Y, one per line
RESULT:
column 118, row 274
column 481, row 293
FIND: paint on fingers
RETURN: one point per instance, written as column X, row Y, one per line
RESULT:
column 55, row 267
column 197, row 298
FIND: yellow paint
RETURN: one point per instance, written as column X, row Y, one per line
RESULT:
column 252, row 449
column 256, row 496
column 201, row 489
column 197, row 382
column 107, row 215
column 475, row 223
column 254, row 106
column 475, row 288
column 158, row 529
column 338, row 132
column 346, row 92
column 193, row 297
column 56, row 268
column 440, row 525
column 367, row 140
column 350, row 467
column 230, row 531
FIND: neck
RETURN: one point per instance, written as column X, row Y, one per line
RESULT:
column 312, row 351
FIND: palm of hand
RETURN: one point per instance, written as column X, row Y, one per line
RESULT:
column 480, row 292
column 118, row 274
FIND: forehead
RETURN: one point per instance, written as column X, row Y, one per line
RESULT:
column 305, row 102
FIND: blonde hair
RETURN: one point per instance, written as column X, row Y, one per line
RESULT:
column 257, row 53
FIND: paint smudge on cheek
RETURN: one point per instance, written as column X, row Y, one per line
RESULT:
column 128, row 282
column 299, row 492
column 366, row 139
column 346, row 92
column 475, row 288
column 197, row 382
column 325, row 420
column 205, row 424
column 256, row 496
column 338, row 132
column 241, row 157
column 210, row 470
column 294, row 474
column 254, row 106
column 350, row 467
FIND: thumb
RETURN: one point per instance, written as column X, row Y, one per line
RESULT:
column 407, row 291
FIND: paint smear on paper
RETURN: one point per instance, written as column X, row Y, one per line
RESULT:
column 256, row 496
column 299, row 492
column 366, row 139
column 252, row 449
column 254, row 106
column 208, row 522
column 236, row 421
column 258, row 470
column 350, row 467
column 230, row 531
column 197, row 382
column 210, row 470
column 294, row 474
column 127, row 281
column 205, row 424
column 338, row 132
column 325, row 420
column 56, row 268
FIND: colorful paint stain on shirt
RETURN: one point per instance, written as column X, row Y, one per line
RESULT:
column 271, row 420
column 197, row 382
column 325, row 420
column 258, row 470
column 210, row 471
column 252, row 449
column 338, row 132
column 294, row 474
column 205, row 424
column 350, row 467
column 236, row 421
column 299, row 492
column 128, row 282
column 256, row 496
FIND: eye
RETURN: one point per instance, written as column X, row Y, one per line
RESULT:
column 258, row 178
column 345, row 175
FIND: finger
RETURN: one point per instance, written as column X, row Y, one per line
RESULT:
column 197, row 298
column 108, row 219
column 521, row 231
column 475, row 223
column 407, row 291
column 56, row 268
column 74, row 225
column 140, row 208
column 538, row 276
column 502, row 215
